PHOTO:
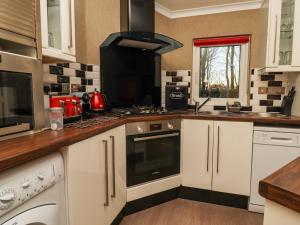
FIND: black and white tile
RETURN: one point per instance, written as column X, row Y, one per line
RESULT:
column 65, row 78
column 266, row 90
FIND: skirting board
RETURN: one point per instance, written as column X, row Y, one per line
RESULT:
column 237, row 201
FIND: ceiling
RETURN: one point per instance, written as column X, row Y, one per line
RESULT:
column 190, row 4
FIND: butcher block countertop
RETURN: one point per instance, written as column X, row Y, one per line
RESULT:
column 17, row 151
column 283, row 186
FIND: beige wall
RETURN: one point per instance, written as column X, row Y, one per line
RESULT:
column 223, row 24
column 95, row 20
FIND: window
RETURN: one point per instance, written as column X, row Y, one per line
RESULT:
column 220, row 69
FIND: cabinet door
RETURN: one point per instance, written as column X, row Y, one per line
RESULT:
column 287, row 25
column 273, row 33
column 58, row 29
column 232, row 157
column 68, row 27
column 86, row 182
column 117, row 171
column 197, row 143
column 296, row 34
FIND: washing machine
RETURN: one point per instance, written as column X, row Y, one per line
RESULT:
column 34, row 193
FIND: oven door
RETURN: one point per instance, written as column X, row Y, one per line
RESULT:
column 152, row 156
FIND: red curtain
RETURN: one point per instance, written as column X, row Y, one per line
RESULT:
column 236, row 40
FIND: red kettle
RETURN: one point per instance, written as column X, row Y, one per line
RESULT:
column 98, row 102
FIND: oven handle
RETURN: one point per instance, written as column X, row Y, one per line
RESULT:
column 155, row 137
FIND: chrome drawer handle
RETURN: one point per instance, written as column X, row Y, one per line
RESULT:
column 106, row 203
column 113, row 166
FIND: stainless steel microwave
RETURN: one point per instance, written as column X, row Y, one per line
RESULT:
column 21, row 94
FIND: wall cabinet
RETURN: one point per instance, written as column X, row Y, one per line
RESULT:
column 58, row 29
column 19, row 27
column 282, row 36
column 216, row 155
column 96, row 178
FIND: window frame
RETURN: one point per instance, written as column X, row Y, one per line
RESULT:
column 244, row 85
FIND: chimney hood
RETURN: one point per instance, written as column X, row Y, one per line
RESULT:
column 137, row 29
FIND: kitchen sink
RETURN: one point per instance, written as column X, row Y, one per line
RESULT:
column 265, row 114
column 254, row 114
column 215, row 113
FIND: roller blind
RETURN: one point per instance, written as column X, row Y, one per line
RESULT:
column 235, row 40
column 18, row 16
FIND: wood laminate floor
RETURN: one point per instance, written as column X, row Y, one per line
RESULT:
column 185, row 212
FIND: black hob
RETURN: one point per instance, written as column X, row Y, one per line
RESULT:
column 140, row 110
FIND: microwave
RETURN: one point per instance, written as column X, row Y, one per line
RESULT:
column 21, row 94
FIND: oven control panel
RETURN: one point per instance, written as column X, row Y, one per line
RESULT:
column 152, row 127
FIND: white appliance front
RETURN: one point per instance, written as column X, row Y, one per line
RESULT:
column 271, row 151
column 45, row 215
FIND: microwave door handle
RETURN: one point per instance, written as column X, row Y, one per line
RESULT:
column 155, row 137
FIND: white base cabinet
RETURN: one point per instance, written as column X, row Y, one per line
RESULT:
column 197, row 145
column 232, row 157
column 96, row 178
column 216, row 155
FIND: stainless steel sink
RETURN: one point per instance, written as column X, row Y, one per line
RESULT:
column 266, row 114
column 255, row 114
column 214, row 113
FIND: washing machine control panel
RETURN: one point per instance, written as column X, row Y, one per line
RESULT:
column 21, row 184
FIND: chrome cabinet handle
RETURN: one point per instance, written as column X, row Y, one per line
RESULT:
column 113, row 166
column 275, row 42
column 207, row 156
column 106, row 203
column 70, row 25
column 218, row 150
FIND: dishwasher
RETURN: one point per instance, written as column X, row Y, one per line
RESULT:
column 273, row 148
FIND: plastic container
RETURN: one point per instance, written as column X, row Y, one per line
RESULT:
column 56, row 118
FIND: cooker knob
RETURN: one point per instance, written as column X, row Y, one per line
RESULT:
column 170, row 126
column 139, row 129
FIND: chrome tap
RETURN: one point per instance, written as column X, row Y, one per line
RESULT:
column 198, row 106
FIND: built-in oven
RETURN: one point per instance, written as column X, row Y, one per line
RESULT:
column 21, row 94
column 153, row 150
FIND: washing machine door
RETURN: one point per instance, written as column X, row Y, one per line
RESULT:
column 40, row 215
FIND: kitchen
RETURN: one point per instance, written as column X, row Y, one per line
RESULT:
column 143, row 112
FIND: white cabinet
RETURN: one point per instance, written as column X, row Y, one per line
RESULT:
column 232, row 157
column 85, row 182
column 117, row 171
column 217, row 155
column 282, row 36
column 197, row 145
column 58, row 29
column 96, row 178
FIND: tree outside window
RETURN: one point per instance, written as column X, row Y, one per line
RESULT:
column 220, row 71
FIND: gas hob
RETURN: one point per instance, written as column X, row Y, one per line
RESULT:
column 140, row 110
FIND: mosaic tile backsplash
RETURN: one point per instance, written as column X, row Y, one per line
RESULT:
column 65, row 78
column 266, row 91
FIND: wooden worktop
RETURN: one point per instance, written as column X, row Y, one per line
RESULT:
column 16, row 151
column 283, row 186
